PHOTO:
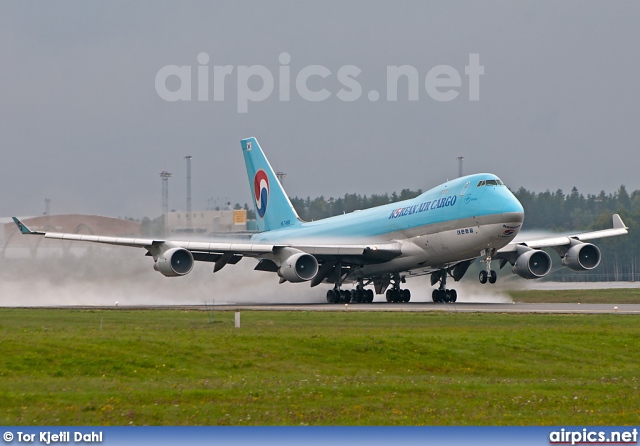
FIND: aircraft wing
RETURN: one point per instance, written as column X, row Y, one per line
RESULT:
column 231, row 252
column 618, row 228
column 569, row 247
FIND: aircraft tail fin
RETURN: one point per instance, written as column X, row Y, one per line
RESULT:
column 272, row 205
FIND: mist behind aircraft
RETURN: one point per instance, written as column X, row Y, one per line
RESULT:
column 101, row 276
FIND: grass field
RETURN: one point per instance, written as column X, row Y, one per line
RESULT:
column 120, row 367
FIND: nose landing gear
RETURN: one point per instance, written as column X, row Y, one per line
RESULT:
column 490, row 276
column 488, row 273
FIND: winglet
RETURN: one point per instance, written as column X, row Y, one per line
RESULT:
column 23, row 228
column 617, row 222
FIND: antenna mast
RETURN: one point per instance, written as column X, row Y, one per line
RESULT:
column 189, row 222
column 460, row 158
column 164, row 175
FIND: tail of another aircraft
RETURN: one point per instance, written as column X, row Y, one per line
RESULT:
column 272, row 206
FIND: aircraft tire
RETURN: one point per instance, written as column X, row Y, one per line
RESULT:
column 331, row 297
column 493, row 277
column 406, row 295
column 369, row 296
column 483, row 277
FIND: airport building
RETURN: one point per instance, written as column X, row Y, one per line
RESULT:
column 206, row 222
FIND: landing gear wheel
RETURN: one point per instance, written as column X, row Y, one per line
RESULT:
column 444, row 295
column 369, row 296
column 394, row 295
column 488, row 273
column 346, row 296
column 331, row 297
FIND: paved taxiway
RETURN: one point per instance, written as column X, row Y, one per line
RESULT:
column 463, row 307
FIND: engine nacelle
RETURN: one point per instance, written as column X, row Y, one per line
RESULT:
column 532, row 264
column 174, row 262
column 582, row 257
column 298, row 267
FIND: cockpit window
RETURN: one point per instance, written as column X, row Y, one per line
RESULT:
column 490, row 183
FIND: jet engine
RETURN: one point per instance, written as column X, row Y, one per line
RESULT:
column 174, row 262
column 298, row 267
column 532, row 264
column 582, row 257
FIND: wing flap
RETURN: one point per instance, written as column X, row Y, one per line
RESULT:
column 374, row 253
column 334, row 250
column 123, row 241
column 249, row 249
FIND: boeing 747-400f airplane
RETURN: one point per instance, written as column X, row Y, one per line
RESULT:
column 440, row 232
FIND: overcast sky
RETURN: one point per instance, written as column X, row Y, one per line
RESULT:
column 83, row 124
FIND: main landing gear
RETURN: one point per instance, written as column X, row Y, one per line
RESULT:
column 488, row 273
column 358, row 295
column 442, row 294
column 395, row 293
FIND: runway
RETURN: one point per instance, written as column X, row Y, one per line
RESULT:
column 415, row 307
column 465, row 307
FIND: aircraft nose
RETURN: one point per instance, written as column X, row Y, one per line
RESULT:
column 513, row 210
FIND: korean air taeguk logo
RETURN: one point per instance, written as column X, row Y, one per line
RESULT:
column 261, row 191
